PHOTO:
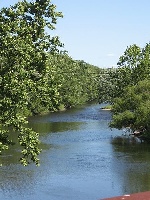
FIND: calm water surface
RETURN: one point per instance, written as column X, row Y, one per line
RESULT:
column 78, row 160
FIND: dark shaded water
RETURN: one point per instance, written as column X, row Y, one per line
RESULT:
column 78, row 160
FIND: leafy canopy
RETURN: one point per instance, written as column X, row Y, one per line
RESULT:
column 132, row 109
column 23, row 46
column 131, row 99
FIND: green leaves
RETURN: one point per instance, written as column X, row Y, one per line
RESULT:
column 28, row 139
column 132, row 109
column 128, row 89
column 23, row 46
column 133, row 66
column 131, row 57
column 123, row 119
column 34, row 76
column 71, row 82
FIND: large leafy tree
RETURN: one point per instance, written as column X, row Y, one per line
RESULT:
column 23, row 46
column 131, row 100
column 127, row 89
column 131, row 57
column 133, row 66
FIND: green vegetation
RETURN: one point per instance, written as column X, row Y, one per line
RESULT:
column 35, row 76
column 23, row 67
column 133, row 108
column 128, row 89
column 107, row 107
column 133, row 66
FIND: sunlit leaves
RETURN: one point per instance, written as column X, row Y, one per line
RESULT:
column 131, row 57
column 34, row 76
column 23, row 45
column 71, row 82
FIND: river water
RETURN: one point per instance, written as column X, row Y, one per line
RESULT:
column 78, row 160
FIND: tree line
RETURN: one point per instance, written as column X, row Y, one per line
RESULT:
column 127, row 89
column 36, row 75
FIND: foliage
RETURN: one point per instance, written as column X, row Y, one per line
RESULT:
column 23, row 44
column 133, row 66
column 127, row 89
column 132, row 109
column 75, row 82
column 131, row 57
column 35, row 77
column 107, row 85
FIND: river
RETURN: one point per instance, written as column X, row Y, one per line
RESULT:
column 78, row 160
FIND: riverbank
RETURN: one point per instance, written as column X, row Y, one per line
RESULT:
column 107, row 107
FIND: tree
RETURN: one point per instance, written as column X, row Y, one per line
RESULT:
column 131, row 57
column 132, row 109
column 133, row 66
column 71, row 82
column 127, row 89
column 107, row 85
column 24, row 45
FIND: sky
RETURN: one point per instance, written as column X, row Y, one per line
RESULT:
column 99, row 31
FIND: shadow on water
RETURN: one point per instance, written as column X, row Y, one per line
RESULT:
column 131, row 146
column 55, row 127
column 133, row 160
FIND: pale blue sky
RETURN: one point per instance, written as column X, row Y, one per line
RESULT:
column 98, row 31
